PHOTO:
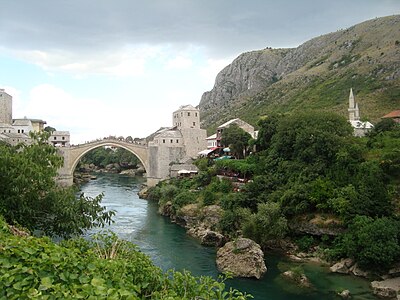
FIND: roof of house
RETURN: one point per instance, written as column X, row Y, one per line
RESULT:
column 22, row 122
column 360, row 124
column 212, row 137
column 170, row 134
column 393, row 114
column 187, row 107
column 226, row 124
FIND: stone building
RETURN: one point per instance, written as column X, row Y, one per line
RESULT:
column 15, row 131
column 242, row 124
column 173, row 147
column 60, row 138
column 360, row 127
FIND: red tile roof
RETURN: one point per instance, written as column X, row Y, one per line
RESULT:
column 393, row 114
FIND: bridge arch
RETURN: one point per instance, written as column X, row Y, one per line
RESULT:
column 119, row 144
column 73, row 154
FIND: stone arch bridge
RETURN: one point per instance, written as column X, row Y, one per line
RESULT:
column 73, row 154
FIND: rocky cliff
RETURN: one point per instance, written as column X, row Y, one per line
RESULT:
column 316, row 75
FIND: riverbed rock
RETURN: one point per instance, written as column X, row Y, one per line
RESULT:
column 357, row 271
column 129, row 172
column 388, row 288
column 242, row 257
column 342, row 266
column 143, row 193
column 300, row 279
column 207, row 237
column 345, row 294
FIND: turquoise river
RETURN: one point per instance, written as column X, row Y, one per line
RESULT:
column 170, row 247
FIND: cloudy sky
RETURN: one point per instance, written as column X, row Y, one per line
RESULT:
column 121, row 67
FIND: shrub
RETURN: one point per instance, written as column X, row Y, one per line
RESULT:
column 305, row 243
column 208, row 197
column 373, row 243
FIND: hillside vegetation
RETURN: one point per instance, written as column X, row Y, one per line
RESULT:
column 311, row 182
column 315, row 76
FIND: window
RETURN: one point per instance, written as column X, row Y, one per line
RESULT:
column 188, row 114
column 55, row 138
column 19, row 131
column 163, row 141
column 63, row 137
column 195, row 114
column 194, row 123
column 171, row 141
column 22, row 131
column 177, row 141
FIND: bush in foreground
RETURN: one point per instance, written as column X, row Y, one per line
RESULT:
column 105, row 268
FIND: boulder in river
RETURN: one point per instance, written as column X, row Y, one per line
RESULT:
column 206, row 236
column 242, row 258
column 298, row 277
column 388, row 288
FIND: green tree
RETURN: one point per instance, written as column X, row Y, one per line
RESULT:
column 267, row 130
column 49, row 129
column 265, row 225
column 374, row 243
column 30, row 196
column 236, row 139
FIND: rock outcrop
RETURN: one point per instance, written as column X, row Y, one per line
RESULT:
column 342, row 266
column 262, row 81
column 201, row 223
column 242, row 258
column 388, row 288
column 349, row 266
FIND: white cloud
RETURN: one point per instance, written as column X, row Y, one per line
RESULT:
column 88, row 118
column 179, row 62
column 124, row 62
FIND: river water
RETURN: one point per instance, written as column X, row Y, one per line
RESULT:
column 169, row 247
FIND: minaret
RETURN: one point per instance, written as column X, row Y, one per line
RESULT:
column 354, row 113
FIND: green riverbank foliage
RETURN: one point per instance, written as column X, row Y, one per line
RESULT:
column 30, row 196
column 103, row 268
column 307, row 166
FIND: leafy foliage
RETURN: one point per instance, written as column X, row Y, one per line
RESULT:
column 103, row 156
column 237, row 139
column 30, row 196
column 105, row 268
column 267, row 224
column 374, row 243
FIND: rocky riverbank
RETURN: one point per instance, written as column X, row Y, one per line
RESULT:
column 201, row 223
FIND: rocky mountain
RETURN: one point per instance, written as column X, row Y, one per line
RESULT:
column 317, row 75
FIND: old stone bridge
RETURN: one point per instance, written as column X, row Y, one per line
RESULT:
column 73, row 154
